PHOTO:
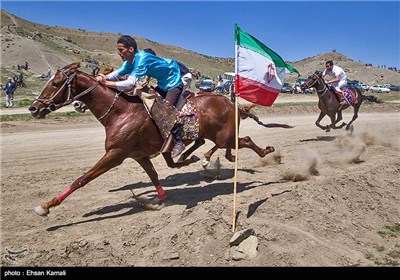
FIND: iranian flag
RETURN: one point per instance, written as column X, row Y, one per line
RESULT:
column 260, row 72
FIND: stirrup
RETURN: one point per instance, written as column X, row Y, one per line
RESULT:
column 177, row 150
column 167, row 144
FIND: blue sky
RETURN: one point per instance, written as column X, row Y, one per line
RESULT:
column 362, row 30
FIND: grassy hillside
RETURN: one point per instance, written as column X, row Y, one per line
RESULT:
column 54, row 46
column 101, row 45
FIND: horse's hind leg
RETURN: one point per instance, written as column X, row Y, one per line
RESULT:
column 246, row 142
column 355, row 116
column 110, row 160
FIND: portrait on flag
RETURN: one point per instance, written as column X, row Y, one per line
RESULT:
column 260, row 72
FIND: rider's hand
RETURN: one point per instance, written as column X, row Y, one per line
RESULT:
column 101, row 77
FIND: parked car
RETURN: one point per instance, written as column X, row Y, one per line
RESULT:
column 287, row 88
column 365, row 86
column 228, row 87
column 393, row 88
column 356, row 85
column 379, row 88
column 205, row 85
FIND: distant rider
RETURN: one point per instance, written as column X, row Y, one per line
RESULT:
column 339, row 80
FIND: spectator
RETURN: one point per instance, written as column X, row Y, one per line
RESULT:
column 10, row 89
column 48, row 73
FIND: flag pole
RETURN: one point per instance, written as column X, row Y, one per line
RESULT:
column 233, row 91
column 236, row 163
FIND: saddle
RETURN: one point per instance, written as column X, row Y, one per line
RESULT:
column 349, row 95
column 166, row 116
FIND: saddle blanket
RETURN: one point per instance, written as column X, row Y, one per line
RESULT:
column 348, row 95
column 166, row 116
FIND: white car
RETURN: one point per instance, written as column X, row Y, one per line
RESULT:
column 365, row 86
column 379, row 88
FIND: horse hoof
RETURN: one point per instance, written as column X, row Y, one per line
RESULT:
column 181, row 158
column 205, row 163
column 271, row 149
column 195, row 158
column 39, row 210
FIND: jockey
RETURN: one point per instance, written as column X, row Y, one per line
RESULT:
column 139, row 64
column 187, row 77
column 339, row 80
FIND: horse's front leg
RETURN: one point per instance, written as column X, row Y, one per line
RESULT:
column 110, row 159
column 320, row 117
column 170, row 162
column 229, row 156
column 193, row 148
column 147, row 165
column 339, row 118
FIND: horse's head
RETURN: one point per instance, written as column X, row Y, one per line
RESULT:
column 57, row 93
column 312, row 80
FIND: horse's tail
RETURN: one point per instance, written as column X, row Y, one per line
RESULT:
column 372, row 98
column 245, row 112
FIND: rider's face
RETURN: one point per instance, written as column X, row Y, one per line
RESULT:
column 126, row 53
column 329, row 67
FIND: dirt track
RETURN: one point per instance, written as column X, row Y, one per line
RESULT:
column 332, row 219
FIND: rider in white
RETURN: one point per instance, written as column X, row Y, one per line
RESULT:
column 339, row 80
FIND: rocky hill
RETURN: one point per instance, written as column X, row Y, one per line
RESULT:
column 45, row 46
column 355, row 70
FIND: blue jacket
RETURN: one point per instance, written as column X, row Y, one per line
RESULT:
column 10, row 87
column 166, row 71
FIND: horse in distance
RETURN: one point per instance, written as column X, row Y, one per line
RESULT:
column 329, row 103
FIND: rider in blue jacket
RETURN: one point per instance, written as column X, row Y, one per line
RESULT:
column 138, row 64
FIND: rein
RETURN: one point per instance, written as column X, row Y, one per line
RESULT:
column 50, row 101
column 324, row 90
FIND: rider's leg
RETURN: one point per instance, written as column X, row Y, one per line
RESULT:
column 172, row 97
column 340, row 87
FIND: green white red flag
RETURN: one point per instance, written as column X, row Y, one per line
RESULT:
column 260, row 72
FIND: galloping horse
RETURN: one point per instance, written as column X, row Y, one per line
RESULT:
column 130, row 131
column 329, row 103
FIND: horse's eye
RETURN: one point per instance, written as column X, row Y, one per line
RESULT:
column 54, row 85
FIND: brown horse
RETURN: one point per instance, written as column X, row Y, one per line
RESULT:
column 329, row 103
column 130, row 131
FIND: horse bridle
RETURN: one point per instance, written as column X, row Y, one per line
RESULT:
column 49, row 102
column 318, row 91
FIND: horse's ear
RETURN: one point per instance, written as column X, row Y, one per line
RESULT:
column 75, row 65
column 318, row 73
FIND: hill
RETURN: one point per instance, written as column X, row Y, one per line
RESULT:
column 355, row 70
column 45, row 46
column 53, row 46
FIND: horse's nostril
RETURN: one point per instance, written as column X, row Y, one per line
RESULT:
column 32, row 109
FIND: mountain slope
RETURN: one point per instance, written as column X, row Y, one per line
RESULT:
column 53, row 46
column 21, row 39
